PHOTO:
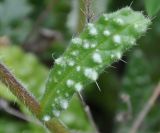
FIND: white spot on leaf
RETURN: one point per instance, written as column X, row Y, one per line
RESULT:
column 93, row 45
column 59, row 72
column 46, row 118
column 92, row 29
column 77, row 41
column 56, row 112
column 78, row 68
column 63, row 103
column 86, row 44
column 117, row 39
column 106, row 33
column 78, row 87
column 91, row 74
column 75, row 53
column 71, row 62
column 119, row 21
column 97, row 58
column 118, row 55
column 60, row 61
column 70, row 83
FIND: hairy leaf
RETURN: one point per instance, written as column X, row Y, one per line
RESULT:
column 98, row 46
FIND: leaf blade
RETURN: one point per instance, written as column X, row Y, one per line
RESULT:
column 98, row 46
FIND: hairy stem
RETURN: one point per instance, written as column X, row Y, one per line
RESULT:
column 19, row 90
column 25, row 97
column 141, row 116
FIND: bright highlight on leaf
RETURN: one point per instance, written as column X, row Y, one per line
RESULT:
column 98, row 46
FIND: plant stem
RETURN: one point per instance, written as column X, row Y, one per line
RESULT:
column 147, row 107
column 56, row 126
column 25, row 97
column 18, row 90
column 87, row 112
column 81, row 17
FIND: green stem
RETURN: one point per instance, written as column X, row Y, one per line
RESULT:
column 56, row 126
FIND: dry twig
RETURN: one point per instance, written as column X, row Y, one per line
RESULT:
column 147, row 107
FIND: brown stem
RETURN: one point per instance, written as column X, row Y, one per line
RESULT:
column 88, row 10
column 56, row 126
column 81, row 17
column 18, row 90
column 139, row 119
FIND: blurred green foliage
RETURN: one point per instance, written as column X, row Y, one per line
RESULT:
column 152, row 6
column 137, row 88
column 14, row 21
column 14, row 126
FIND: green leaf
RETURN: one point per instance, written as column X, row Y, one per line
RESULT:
column 23, row 66
column 152, row 6
column 69, row 117
column 98, row 46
